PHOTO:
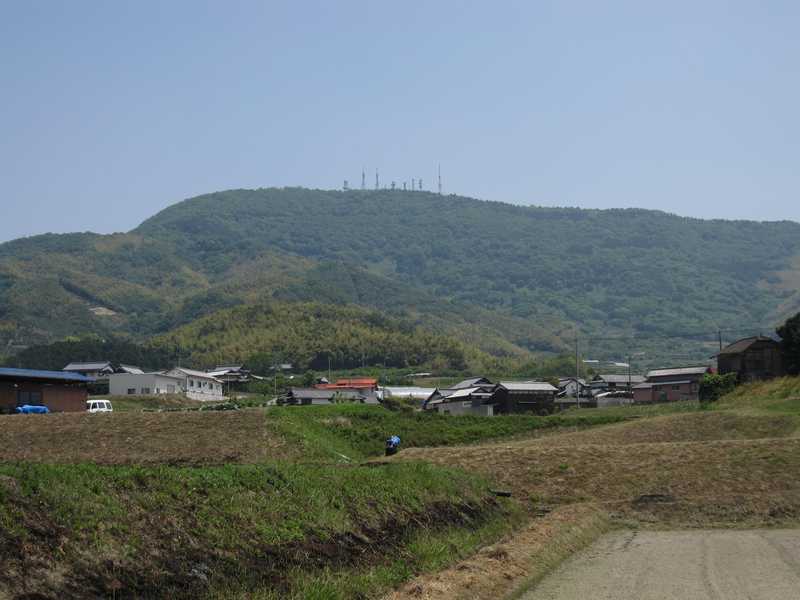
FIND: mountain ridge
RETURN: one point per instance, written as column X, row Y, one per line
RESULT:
column 522, row 278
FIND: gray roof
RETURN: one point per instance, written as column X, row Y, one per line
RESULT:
column 744, row 344
column 677, row 371
column 313, row 393
column 87, row 366
column 49, row 375
column 616, row 378
column 528, row 386
column 131, row 369
column 471, row 382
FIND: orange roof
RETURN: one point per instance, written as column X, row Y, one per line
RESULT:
column 354, row 382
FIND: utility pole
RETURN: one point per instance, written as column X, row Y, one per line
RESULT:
column 329, row 368
column 577, row 373
column 630, row 389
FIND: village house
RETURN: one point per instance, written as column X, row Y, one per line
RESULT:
column 144, row 384
column 670, row 385
column 527, row 396
column 315, row 396
column 198, row 385
column 233, row 374
column 97, row 370
column 752, row 359
column 479, row 396
column 613, row 383
column 59, row 391
column 571, row 387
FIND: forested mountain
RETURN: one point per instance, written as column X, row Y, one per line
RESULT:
column 505, row 278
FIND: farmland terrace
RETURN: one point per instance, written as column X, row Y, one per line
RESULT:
column 194, row 503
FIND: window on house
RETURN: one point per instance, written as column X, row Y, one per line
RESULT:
column 191, row 383
column 170, row 389
column 145, row 390
column 131, row 391
column 676, row 387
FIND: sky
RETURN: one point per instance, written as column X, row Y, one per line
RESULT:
column 111, row 111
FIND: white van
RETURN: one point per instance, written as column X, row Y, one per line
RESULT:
column 99, row 406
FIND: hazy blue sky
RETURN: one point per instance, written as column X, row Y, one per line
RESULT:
column 110, row 111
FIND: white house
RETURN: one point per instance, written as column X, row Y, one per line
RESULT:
column 143, row 384
column 198, row 385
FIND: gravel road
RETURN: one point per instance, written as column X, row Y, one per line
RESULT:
column 687, row 565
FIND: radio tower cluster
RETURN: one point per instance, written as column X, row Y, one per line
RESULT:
column 416, row 184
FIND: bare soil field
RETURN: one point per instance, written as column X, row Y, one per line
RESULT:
column 177, row 438
column 702, row 565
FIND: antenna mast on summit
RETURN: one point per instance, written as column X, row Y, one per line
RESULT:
column 377, row 180
column 363, row 179
column 440, row 180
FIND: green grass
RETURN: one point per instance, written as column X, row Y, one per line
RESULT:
column 354, row 432
column 426, row 550
column 775, row 396
column 247, row 525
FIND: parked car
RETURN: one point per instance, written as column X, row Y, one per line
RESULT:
column 99, row 406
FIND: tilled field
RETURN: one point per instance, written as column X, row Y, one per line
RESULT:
column 178, row 438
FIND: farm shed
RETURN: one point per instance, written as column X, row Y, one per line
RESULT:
column 59, row 391
column 752, row 358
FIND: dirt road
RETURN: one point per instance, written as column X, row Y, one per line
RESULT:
column 696, row 565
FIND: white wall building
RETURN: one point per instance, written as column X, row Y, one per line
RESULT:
column 143, row 384
column 198, row 385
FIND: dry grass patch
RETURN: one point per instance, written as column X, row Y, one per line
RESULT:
column 190, row 438
column 693, row 427
column 515, row 562
column 633, row 477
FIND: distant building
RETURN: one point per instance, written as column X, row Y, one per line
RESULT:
column 571, row 387
column 752, row 358
column 670, row 385
column 356, row 383
column 527, row 396
column 408, row 392
column 316, row 396
column 614, row 382
column 198, row 385
column 144, row 384
column 479, row 396
column 97, row 370
column 59, row 391
column 233, row 374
